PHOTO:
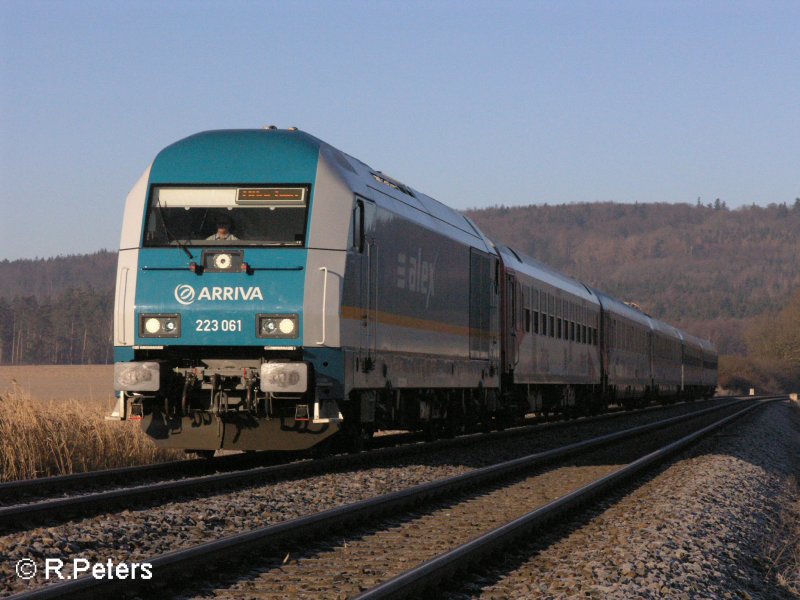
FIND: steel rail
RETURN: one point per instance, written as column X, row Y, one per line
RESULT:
column 60, row 483
column 440, row 569
column 24, row 515
column 182, row 561
column 63, row 483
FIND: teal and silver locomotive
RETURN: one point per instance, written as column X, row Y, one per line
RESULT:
column 272, row 290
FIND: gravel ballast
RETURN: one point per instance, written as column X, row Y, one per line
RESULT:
column 705, row 527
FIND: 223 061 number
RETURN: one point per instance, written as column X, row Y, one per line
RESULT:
column 226, row 325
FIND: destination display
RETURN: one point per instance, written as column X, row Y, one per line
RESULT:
column 279, row 195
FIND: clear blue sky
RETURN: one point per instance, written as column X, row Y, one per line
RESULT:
column 474, row 103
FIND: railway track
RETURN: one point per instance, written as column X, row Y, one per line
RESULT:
column 24, row 509
column 437, row 571
column 11, row 492
column 493, row 492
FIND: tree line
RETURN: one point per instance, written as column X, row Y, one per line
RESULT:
column 73, row 327
column 49, row 277
column 772, row 360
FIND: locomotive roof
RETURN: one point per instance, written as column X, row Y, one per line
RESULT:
column 241, row 155
column 365, row 180
column 537, row 270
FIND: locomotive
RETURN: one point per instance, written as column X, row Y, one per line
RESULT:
column 273, row 291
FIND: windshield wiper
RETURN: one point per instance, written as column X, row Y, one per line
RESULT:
column 170, row 237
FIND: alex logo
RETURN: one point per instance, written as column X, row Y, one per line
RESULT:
column 416, row 275
column 186, row 294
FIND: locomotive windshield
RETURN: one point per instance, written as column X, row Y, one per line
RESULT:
column 251, row 216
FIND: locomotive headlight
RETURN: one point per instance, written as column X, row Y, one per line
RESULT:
column 286, row 326
column 137, row 376
column 159, row 325
column 222, row 261
column 277, row 326
column 284, row 377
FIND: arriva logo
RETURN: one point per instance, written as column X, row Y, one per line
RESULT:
column 186, row 294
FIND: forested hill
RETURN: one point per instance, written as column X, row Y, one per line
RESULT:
column 706, row 268
column 57, row 310
column 48, row 277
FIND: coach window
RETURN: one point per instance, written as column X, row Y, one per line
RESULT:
column 523, row 303
column 526, row 311
column 584, row 319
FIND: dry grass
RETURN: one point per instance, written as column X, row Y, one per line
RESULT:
column 40, row 438
column 783, row 551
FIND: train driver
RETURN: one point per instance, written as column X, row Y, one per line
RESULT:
column 223, row 230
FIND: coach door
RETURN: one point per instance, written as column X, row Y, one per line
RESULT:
column 368, row 289
column 510, row 321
